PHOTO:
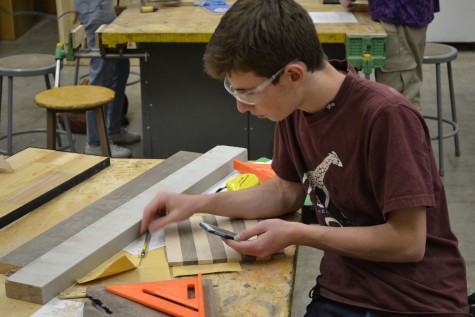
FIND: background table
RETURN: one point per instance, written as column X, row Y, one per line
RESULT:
column 182, row 107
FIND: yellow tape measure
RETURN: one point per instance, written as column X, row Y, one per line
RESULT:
column 242, row 181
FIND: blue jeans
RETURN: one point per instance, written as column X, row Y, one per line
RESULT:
column 322, row 307
column 110, row 73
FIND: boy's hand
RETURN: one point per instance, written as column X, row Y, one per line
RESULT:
column 347, row 5
column 273, row 235
column 166, row 208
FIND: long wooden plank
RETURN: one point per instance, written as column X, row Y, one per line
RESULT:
column 44, row 278
column 51, row 238
column 40, row 175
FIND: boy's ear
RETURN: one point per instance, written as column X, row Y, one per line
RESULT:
column 296, row 73
column 295, row 76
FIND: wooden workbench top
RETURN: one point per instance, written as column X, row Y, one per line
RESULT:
column 192, row 24
column 260, row 289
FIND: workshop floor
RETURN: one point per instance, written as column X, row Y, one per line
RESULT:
column 459, row 177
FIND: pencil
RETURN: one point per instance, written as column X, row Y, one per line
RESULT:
column 145, row 244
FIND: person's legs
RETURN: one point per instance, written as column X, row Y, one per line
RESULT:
column 109, row 73
column 403, row 67
column 100, row 74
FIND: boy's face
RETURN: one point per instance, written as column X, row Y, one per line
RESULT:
column 273, row 102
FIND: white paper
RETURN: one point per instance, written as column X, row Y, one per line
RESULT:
column 60, row 308
column 157, row 240
column 332, row 17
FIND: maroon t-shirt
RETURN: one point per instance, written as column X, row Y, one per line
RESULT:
column 367, row 154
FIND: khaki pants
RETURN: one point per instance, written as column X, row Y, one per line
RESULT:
column 403, row 67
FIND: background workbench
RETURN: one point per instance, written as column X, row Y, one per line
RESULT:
column 263, row 288
column 182, row 107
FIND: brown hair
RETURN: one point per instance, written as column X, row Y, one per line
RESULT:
column 262, row 36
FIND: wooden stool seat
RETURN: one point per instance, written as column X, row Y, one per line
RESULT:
column 76, row 98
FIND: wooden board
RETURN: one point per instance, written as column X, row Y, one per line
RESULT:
column 34, row 248
column 67, row 19
column 13, row 26
column 44, row 278
column 39, row 176
column 188, row 244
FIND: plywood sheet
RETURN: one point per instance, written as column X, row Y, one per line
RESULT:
column 40, row 175
column 188, row 244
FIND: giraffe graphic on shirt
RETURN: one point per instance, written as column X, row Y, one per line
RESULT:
column 315, row 177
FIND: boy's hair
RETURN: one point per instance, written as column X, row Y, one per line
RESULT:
column 262, row 36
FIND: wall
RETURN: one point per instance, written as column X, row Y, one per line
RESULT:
column 454, row 23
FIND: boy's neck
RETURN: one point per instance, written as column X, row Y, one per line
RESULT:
column 322, row 87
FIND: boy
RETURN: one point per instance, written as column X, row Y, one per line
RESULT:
column 358, row 148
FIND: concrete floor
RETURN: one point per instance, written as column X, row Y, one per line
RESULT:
column 459, row 176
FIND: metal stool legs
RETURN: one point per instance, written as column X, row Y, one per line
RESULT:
column 440, row 119
column 436, row 53
column 453, row 108
column 10, row 133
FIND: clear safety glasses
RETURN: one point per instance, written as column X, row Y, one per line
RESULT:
column 250, row 96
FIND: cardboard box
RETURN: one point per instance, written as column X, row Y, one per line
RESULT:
column 12, row 27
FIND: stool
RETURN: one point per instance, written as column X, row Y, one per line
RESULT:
column 76, row 98
column 435, row 53
column 24, row 65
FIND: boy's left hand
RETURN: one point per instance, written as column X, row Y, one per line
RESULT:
column 273, row 235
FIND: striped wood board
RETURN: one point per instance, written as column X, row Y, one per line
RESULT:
column 188, row 244
column 40, row 175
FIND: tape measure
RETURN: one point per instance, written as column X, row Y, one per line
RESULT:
column 242, row 181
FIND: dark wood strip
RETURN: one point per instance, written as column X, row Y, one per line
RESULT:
column 187, row 242
column 216, row 244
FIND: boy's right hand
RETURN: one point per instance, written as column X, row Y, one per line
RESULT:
column 166, row 208
column 347, row 5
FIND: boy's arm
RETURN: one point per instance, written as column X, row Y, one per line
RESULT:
column 401, row 239
column 273, row 198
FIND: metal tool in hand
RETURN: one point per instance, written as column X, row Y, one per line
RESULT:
column 145, row 246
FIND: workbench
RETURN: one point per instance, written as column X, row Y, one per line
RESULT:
column 182, row 107
column 263, row 288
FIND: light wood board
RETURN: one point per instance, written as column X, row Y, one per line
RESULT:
column 40, row 175
column 41, row 244
column 44, row 278
column 188, row 244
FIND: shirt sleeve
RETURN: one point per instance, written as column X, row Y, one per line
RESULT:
column 400, row 160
